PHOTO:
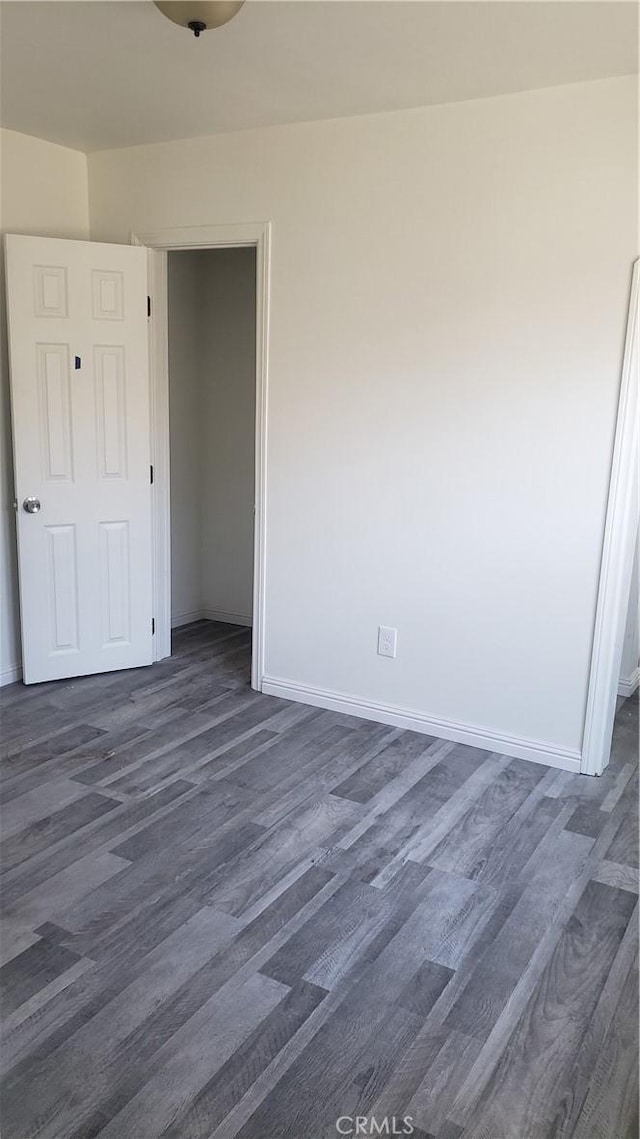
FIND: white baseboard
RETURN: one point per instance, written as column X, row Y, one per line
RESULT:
column 210, row 615
column 228, row 618
column 628, row 684
column 566, row 759
column 10, row 675
column 186, row 618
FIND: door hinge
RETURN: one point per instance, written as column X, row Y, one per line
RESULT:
column 148, row 306
column 151, row 474
column 153, row 625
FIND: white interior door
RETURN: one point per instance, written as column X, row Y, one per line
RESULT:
column 80, row 407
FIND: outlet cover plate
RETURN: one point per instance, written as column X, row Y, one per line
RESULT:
column 387, row 641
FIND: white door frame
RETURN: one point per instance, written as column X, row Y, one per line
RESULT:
column 620, row 533
column 159, row 243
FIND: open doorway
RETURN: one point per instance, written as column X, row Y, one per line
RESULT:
column 211, row 297
column 160, row 243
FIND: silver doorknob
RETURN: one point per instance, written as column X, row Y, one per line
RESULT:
column 31, row 505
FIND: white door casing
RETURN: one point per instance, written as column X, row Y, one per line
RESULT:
column 80, row 409
column 620, row 536
column 158, row 243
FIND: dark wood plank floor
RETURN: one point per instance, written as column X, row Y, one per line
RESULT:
column 228, row 915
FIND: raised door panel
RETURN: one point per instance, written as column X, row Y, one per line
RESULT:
column 111, row 413
column 62, row 575
column 107, row 292
column 115, row 582
column 54, row 412
column 50, row 291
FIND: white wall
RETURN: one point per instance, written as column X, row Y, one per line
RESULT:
column 212, row 407
column 185, row 411
column 228, row 431
column 448, row 304
column 44, row 192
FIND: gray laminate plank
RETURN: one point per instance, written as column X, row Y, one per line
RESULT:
column 280, row 1065
column 528, row 1086
column 95, row 693
column 588, row 819
column 451, row 1131
column 35, row 1003
column 104, row 831
column 232, row 966
column 34, row 1041
column 425, row 987
column 624, row 847
column 71, row 763
column 613, row 874
column 395, row 1099
column 473, row 926
column 156, row 905
column 401, row 809
column 149, row 880
column 406, row 793
column 184, row 757
column 85, row 1059
column 421, row 935
column 39, row 754
column 273, row 855
column 375, row 773
column 252, row 915
column 161, row 705
column 452, row 939
column 217, row 644
column 60, row 824
column 38, row 804
column 505, row 857
column 429, row 834
column 29, row 972
column 323, row 772
column 499, row 969
column 468, row 845
column 627, row 773
column 390, row 1044
column 67, row 888
column 359, row 1045
column 20, row 728
column 434, row 1096
column 466, row 935
column 159, row 739
column 192, row 1056
column 228, row 666
column 216, row 803
column 610, row 1107
column 217, row 1097
column 491, row 1052
column 293, row 754
column 324, row 948
column 234, row 755
column 607, row 1011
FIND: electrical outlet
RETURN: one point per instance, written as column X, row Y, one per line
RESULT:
column 387, row 641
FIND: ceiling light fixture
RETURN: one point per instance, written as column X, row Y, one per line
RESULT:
column 198, row 15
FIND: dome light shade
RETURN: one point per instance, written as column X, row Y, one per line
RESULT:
column 198, row 15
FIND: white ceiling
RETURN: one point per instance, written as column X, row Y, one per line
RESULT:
column 91, row 75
